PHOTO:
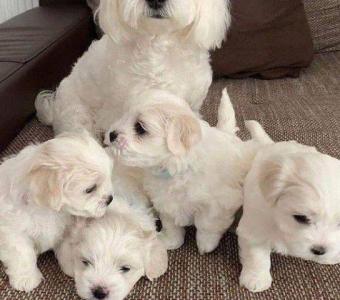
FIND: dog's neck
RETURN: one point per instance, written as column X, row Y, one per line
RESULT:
column 174, row 167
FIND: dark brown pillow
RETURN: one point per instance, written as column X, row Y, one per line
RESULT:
column 267, row 38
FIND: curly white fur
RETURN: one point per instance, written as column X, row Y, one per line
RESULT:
column 40, row 189
column 142, row 49
column 291, row 206
column 193, row 172
column 108, row 256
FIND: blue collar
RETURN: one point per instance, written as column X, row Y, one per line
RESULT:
column 165, row 174
column 162, row 173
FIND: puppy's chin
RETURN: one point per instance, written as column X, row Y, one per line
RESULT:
column 96, row 213
column 159, row 26
column 133, row 159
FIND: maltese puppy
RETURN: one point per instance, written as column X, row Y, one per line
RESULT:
column 148, row 44
column 291, row 206
column 108, row 256
column 40, row 190
column 193, row 173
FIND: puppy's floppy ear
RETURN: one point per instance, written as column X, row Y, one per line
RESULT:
column 276, row 175
column 110, row 21
column 212, row 20
column 45, row 179
column 184, row 131
column 156, row 258
column 46, row 187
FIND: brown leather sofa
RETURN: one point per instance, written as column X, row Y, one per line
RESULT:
column 37, row 49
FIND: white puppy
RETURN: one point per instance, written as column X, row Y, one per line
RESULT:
column 156, row 44
column 40, row 189
column 291, row 206
column 193, row 172
column 108, row 256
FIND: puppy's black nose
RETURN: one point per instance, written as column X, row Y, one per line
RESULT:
column 318, row 250
column 109, row 200
column 113, row 136
column 156, row 4
column 100, row 293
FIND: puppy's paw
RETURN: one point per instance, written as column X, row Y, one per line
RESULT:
column 26, row 281
column 256, row 281
column 173, row 240
column 207, row 242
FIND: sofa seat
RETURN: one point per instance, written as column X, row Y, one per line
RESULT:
column 306, row 109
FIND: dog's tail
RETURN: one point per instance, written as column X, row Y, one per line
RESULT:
column 257, row 132
column 226, row 114
column 44, row 106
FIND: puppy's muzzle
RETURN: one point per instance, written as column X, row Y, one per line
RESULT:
column 109, row 200
column 318, row 250
column 156, row 4
column 100, row 293
column 113, row 136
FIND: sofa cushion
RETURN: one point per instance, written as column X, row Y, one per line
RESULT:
column 268, row 38
column 324, row 19
column 37, row 50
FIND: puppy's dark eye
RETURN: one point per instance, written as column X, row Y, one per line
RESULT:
column 139, row 129
column 302, row 219
column 85, row 262
column 125, row 269
column 91, row 189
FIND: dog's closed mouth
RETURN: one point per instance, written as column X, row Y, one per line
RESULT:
column 157, row 16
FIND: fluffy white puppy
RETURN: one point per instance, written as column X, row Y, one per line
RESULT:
column 291, row 206
column 40, row 189
column 108, row 256
column 156, row 44
column 193, row 172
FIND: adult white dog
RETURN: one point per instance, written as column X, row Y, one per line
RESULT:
column 40, row 189
column 193, row 172
column 291, row 206
column 107, row 256
column 161, row 44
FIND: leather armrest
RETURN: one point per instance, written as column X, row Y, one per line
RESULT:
column 37, row 50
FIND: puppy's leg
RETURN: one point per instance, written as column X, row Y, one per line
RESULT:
column 171, row 235
column 20, row 260
column 255, row 259
column 64, row 254
column 211, row 225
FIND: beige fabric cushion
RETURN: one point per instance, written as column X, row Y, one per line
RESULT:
column 324, row 20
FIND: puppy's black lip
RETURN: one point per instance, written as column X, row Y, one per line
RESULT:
column 159, row 225
column 157, row 16
column 109, row 200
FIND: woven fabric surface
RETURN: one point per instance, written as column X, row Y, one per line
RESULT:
column 324, row 20
column 306, row 109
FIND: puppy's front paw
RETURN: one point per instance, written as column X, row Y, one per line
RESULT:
column 26, row 281
column 256, row 281
column 173, row 240
column 207, row 242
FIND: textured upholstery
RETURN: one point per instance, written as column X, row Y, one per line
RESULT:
column 324, row 20
column 306, row 109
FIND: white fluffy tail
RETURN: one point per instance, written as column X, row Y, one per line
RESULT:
column 258, row 133
column 226, row 114
column 44, row 107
